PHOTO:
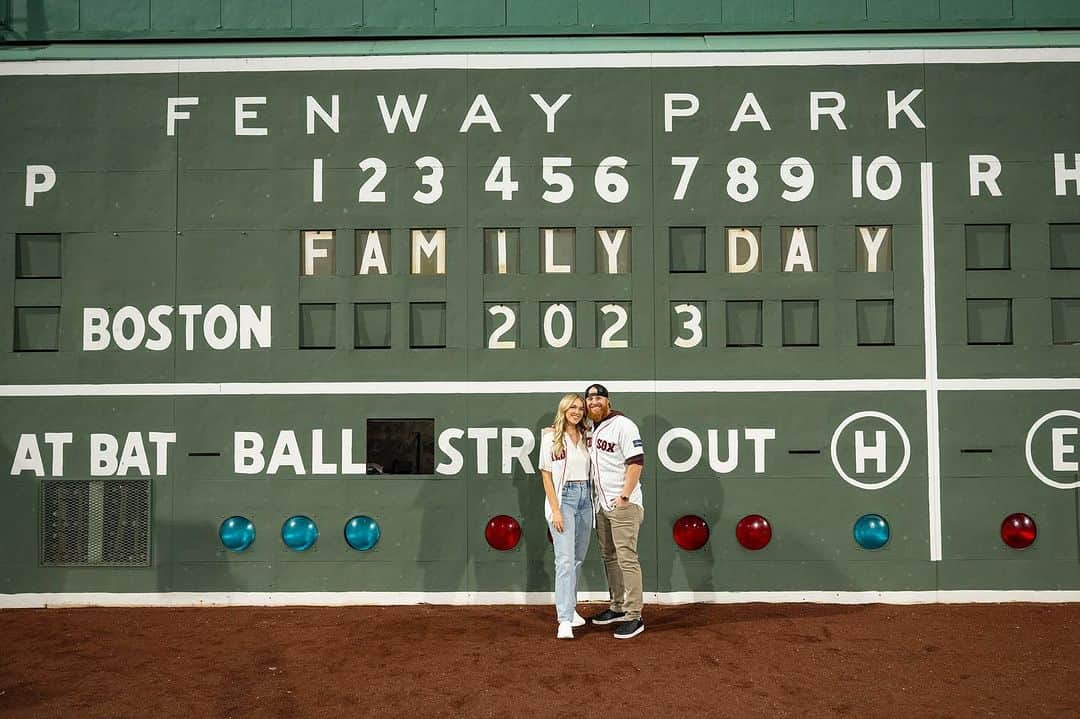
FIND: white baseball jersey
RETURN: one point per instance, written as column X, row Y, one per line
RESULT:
column 573, row 463
column 612, row 442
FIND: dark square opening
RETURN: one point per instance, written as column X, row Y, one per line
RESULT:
column 987, row 247
column 37, row 256
column 800, row 323
column 1065, row 247
column 687, row 249
column 401, row 446
column 989, row 322
column 427, row 325
column 371, row 325
column 1065, row 319
column 317, row 326
column 875, row 323
column 744, row 323
column 37, row 329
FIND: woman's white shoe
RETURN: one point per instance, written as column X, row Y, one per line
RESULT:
column 566, row 631
column 579, row 621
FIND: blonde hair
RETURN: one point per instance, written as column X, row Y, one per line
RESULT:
column 558, row 444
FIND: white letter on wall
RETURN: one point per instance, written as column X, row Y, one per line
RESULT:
column 984, row 170
column 688, row 106
column 817, row 109
column 455, row 461
column 95, row 329
column 875, row 451
column 401, row 108
column 482, row 435
column 330, row 119
column 904, row 106
column 873, row 245
column 480, row 114
column 242, row 113
column 247, row 453
column 1062, row 175
column 550, row 110
column 665, row 444
column 758, row 436
column 172, row 114
column 1059, row 449
column 520, row 452
column 39, row 179
column 750, row 111
column 27, row 457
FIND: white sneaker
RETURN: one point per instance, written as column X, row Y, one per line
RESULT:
column 566, row 631
column 579, row 621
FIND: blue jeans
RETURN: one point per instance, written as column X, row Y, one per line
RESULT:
column 571, row 544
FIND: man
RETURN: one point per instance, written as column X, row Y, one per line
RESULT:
column 617, row 456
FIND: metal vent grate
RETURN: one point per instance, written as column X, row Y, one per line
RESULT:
column 95, row 523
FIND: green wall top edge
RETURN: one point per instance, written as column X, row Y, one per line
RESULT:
column 747, row 43
column 213, row 26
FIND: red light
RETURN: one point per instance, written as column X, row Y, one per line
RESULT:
column 753, row 531
column 503, row 532
column 1018, row 530
column 690, row 532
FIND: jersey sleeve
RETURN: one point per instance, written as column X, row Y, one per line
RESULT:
column 630, row 441
column 547, row 438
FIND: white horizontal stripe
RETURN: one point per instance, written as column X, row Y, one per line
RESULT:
column 528, row 61
column 228, row 389
column 1005, row 383
column 337, row 599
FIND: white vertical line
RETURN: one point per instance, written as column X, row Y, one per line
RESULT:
column 933, row 440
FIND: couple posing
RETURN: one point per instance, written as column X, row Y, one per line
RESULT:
column 592, row 472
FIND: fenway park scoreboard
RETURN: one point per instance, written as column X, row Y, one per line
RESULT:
column 288, row 328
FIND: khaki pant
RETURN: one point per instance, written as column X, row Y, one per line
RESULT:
column 618, row 533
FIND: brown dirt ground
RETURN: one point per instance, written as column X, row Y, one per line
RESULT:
column 756, row 660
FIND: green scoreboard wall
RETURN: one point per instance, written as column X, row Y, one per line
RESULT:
column 826, row 284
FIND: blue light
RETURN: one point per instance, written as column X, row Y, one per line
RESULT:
column 871, row 531
column 237, row 533
column 362, row 533
column 299, row 533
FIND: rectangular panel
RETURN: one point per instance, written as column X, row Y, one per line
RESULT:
column 502, row 250
column 800, row 323
column 427, row 324
column 875, row 322
column 987, row 247
column 317, row 326
column 37, row 329
column 37, row 256
column 989, row 321
column 687, row 249
column 1065, row 247
column 1065, row 318
column 372, row 325
column 744, row 323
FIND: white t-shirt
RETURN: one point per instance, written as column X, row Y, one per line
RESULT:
column 573, row 463
column 612, row 442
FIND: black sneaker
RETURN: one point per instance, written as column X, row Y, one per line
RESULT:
column 630, row 629
column 607, row 617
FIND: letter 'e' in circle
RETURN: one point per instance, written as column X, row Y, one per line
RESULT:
column 1027, row 448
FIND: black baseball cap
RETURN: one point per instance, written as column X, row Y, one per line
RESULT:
column 596, row 389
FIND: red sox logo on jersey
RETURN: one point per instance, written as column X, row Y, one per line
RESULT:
column 605, row 445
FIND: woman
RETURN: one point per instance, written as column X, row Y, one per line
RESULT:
column 564, row 467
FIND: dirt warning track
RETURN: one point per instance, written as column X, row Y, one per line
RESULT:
column 425, row 661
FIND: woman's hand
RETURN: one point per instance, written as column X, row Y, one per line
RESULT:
column 556, row 520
